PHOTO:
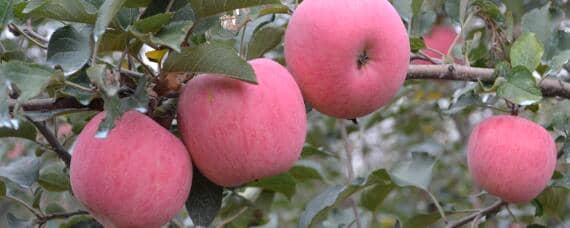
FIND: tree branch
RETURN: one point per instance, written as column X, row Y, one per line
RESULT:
column 549, row 87
column 44, row 219
column 52, row 140
column 495, row 208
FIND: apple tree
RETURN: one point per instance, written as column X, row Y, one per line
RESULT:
column 282, row 113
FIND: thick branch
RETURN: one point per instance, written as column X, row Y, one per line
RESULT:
column 44, row 105
column 495, row 208
column 549, row 87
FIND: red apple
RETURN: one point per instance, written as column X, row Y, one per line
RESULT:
column 349, row 57
column 139, row 176
column 511, row 157
column 238, row 132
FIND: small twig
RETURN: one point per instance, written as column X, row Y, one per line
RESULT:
column 146, row 67
column 496, row 207
column 349, row 168
column 52, row 140
column 44, row 219
column 438, row 206
column 77, row 86
column 169, row 6
column 36, row 213
column 17, row 30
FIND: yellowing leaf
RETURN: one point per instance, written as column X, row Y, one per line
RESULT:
column 156, row 55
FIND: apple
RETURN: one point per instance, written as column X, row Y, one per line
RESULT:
column 511, row 157
column 139, row 176
column 238, row 132
column 439, row 38
column 348, row 57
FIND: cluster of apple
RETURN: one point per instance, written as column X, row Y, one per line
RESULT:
column 346, row 58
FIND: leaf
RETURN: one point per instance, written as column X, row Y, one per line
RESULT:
column 23, row 129
column 15, row 222
column 489, row 9
column 6, row 12
column 38, row 193
column 416, row 172
column 205, row 200
column 170, row 35
column 422, row 220
column 264, row 40
column 24, row 172
column 417, row 7
column 310, row 150
column 156, row 55
column 558, row 62
column 372, row 198
column 81, row 222
column 211, row 58
column 404, row 8
column 62, row 10
column 80, row 78
column 208, row 8
column 70, row 48
column 553, row 200
column 417, row 44
column 317, row 209
column 105, row 15
column 30, row 78
column 54, row 179
column 2, row 189
column 305, row 170
column 540, row 22
column 152, row 24
column 520, row 87
column 104, row 79
column 257, row 213
column 284, row 184
column 527, row 51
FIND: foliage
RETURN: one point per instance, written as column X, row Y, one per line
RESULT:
column 410, row 165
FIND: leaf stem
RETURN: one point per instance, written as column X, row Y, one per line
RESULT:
column 439, row 208
column 36, row 213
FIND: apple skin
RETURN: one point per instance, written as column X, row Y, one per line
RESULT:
column 139, row 176
column 511, row 157
column 439, row 38
column 323, row 44
column 238, row 132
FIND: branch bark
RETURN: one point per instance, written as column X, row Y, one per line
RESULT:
column 52, row 140
column 549, row 87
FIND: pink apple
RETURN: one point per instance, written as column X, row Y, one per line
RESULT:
column 440, row 39
column 511, row 157
column 238, row 132
column 349, row 57
column 139, row 176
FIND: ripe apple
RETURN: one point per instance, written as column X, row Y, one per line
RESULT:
column 511, row 157
column 139, row 176
column 348, row 57
column 439, row 38
column 238, row 132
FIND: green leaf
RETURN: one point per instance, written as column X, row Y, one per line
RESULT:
column 554, row 200
column 422, row 220
column 452, row 9
column 283, row 183
column 152, row 24
column 30, row 78
column 305, row 170
column 69, row 47
column 520, row 87
column 317, row 209
column 310, row 150
column 417, row 44
column 114, row 40
column 404, row 8
column 489, row 9
column 15, row 222
column 264, row 40
column 558, row 62
column 205, row 200
column 527, row 51
column 2, row 189
column 38, row 193
column 54, row 179
column 6, row 12
column 24, row 172
column 170, row 35
column 80, row 78
column 257, row 213
column 208, row 8
column 211, row 58
column 137, row 3
column 81, row 222
column 540, row 22
column 417, row 7
column 62, row 10
column 416, row 172
column 372, row 198
column 105, row 15
column 23, row 130
column 11, row 51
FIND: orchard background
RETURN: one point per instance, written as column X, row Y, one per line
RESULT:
column 62, row 61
